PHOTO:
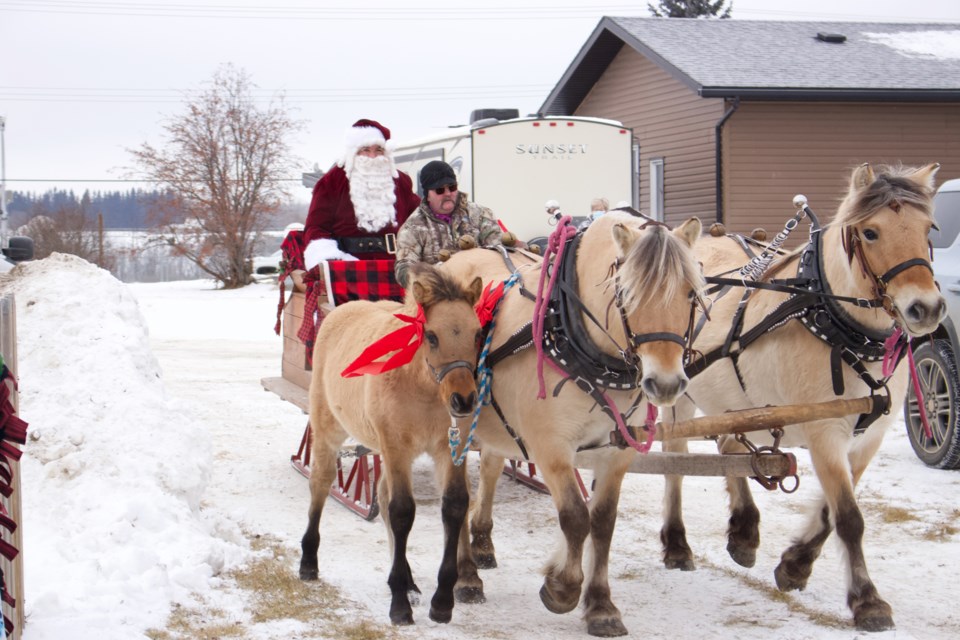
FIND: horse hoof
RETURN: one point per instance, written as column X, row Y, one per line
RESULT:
column 309, row 574
column 606, row 628
column 786, row 582
column 443, row 616
column 874, row 624
column 402, row 619
column 684, row 564
column 486, row 561
column 470, row 595
column 554, row 605
column 743, row 556
column 873, row 617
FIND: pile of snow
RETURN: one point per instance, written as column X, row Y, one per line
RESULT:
column 113, row 470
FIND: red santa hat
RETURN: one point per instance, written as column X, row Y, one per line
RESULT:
column 364, row 133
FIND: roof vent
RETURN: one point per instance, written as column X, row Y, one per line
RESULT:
column 834, row 38
column 499, row 114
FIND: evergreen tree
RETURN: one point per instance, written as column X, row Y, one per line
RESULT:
column 691, row 9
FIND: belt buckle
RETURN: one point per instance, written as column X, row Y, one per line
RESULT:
column 391, row 242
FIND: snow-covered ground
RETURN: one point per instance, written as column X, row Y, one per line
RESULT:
column 159, row 501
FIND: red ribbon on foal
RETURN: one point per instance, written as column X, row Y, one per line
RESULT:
column 487, row 303
column 405, row 341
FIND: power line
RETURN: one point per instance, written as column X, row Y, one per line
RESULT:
column 296, row 96
column 265, row 12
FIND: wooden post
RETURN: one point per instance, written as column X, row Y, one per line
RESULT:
column 12, row 571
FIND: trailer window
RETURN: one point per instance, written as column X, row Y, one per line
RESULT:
column 656, row 189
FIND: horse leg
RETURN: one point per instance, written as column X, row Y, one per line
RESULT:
column 326, row 440
column 563, row 575
column 398, row 509
column 743, row 527
column 602, row 616
column 454, row 506
column 673, row 534
column 481, row 522
column 838, row 478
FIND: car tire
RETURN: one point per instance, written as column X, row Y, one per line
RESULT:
column 937, row 374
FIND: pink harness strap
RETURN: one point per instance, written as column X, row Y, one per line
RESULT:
column 555, row 246
column 890, row 359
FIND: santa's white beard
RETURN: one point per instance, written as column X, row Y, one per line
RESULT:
column 371, row 192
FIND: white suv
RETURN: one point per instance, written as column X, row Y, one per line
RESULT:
column 936, row 354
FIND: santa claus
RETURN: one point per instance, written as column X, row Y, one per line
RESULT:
column 359, row 205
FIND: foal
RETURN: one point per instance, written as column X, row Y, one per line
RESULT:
column 400, row 413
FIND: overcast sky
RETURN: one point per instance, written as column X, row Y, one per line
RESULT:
column 82, row 81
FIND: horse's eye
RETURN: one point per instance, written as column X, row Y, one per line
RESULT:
column 432, row 339
column 870, row 235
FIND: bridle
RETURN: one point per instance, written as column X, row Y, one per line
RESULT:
column 853, row 245
column 636, row 339
column 441, row 373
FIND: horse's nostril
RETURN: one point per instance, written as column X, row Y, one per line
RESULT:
column 462, row 405
column 921, row 313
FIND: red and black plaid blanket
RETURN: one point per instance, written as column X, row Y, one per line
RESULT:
column 13, row 431
column 349, row 280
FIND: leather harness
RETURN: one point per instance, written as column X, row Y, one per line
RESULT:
column 814, row 304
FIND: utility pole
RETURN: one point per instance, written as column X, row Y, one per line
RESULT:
column 3, row 183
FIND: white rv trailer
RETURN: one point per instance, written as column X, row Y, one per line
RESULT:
column 514, row 166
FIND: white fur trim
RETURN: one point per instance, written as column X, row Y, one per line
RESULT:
column 321, row 249
column 357, row 137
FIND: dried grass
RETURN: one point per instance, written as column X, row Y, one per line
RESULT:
column 274, row 592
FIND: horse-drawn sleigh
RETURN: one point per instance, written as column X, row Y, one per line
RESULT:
column 618, row 334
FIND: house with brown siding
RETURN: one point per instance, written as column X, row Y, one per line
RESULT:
column 735, row 117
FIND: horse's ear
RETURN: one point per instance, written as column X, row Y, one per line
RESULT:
column 475, row 290
column 924, row 175
column 420, row 293
column 624, row 236
column 689, row 231
column 862, row 177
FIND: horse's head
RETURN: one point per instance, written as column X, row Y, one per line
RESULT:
column 885, row 221
column 659, row 282
column 451, row 335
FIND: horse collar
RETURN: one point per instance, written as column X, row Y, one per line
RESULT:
column 828, row 320
column 566, row 339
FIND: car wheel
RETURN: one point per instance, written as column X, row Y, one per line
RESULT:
column 937, row 374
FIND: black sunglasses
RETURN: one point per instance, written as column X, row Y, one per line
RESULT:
column 450, row 188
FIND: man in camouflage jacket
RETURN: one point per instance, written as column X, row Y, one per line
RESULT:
column 444, row 222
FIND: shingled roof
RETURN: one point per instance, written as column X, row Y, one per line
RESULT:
column 768, row 60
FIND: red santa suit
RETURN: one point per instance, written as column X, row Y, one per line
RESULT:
column 345, row 223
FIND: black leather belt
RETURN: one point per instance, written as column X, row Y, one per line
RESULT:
column 371, row 244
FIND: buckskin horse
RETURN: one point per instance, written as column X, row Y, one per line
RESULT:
column 613, row 334
column 828, row 325
column 401, row 413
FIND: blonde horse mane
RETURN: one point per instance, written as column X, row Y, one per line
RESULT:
column 886, row 186
column 890, row 186
column 656, row 267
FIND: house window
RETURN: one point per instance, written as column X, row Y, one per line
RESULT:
column 656, row 189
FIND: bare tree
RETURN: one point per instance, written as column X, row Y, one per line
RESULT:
column 690, row 9
column 223, row 165
column 66, row 229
